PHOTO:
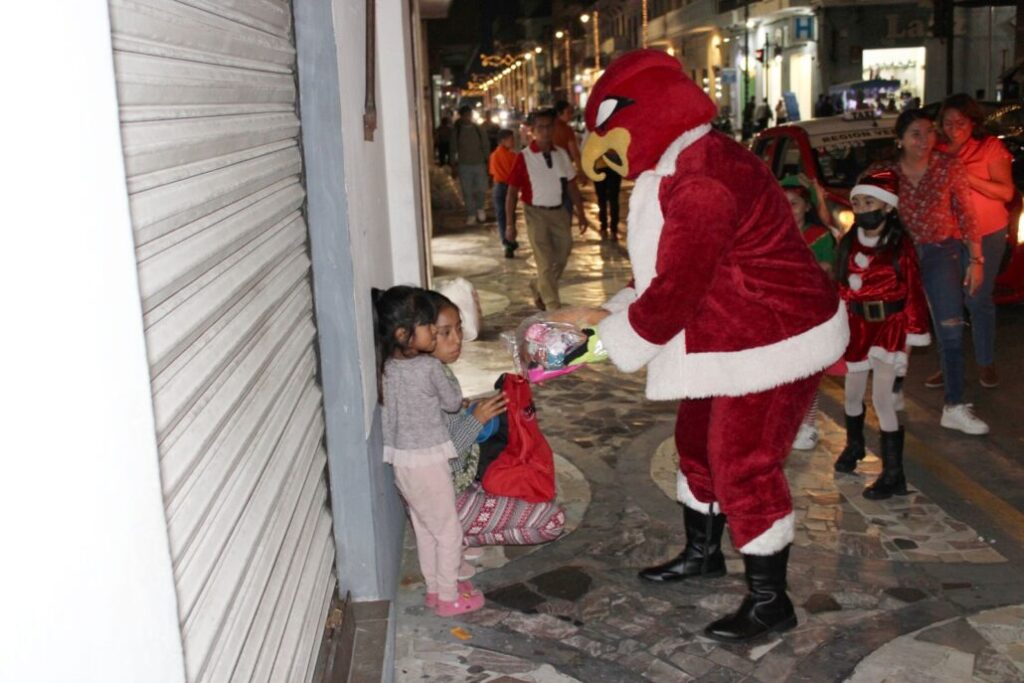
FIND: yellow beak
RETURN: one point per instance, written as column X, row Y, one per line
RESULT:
column 615, row 143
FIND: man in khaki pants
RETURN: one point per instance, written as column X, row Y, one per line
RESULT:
column 540, row 173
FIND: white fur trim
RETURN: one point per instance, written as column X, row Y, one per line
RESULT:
column 876, row 192
column 858, row 365
column 856, row 281
column 674, row 373
column 772, row 540
column 627, row 349
column 863, row 238
column 667, row 162
column 685, row 496
column 897, row 359
column 862, row 259
column 919, row 339
column 621, row 301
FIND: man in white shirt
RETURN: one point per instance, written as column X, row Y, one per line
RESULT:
column 541, row 173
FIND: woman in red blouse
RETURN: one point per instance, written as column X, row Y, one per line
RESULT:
column 936, row 208
column 991, row 180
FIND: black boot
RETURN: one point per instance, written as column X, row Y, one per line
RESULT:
column 766, row 607
column 854, row 451
column 892, row 481
column 702, row 555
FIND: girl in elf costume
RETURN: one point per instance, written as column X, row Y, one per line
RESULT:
column 880, row 282
column 807, row 201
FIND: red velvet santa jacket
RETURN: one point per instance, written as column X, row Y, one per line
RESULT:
column 728, row 299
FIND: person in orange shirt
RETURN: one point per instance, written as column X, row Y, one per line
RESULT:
column 564, row 136
column 499, row 166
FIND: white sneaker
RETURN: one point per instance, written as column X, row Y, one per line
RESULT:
column 806, row 438
column 470, row 220
column 481, row 216
column 898, row 402
column 962, row 417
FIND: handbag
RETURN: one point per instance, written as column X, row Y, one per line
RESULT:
column 526, row 467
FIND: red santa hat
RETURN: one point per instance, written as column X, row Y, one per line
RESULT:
column 882, row 185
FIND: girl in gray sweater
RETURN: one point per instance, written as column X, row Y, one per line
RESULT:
column 414, row 392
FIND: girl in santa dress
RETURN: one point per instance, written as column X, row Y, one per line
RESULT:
column 878, row 278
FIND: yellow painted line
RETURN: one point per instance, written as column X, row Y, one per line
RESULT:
column 1000, row 513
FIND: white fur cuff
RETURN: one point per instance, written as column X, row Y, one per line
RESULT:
column 627, row 349
column 919, row 339
column 774, row 539
column 621, row 300
column 685, row 496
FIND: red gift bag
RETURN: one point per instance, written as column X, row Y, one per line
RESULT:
column 526, row 468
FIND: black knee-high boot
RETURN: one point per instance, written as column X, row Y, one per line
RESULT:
column 854, row 451
column 702, row 556
column 766, row 607
column 892, row 480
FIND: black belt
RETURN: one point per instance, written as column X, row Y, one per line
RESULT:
column 547, row 208
column 877, row 311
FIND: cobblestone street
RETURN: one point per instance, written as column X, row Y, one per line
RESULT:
column 896, row 590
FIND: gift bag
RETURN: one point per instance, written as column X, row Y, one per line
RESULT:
column 463, row 294
column 526, row 468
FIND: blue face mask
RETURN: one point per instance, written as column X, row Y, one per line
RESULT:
column 869, row 220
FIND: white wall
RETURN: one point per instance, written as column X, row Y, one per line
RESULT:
column 381, row 175
column 87, row 592
column 400, row 127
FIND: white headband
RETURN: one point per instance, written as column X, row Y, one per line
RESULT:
column 876, row 192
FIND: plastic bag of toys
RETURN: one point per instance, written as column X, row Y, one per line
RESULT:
column 542, row 348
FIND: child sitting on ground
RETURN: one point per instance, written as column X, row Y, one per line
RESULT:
column 486, row 519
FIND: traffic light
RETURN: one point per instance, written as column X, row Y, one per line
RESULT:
column 759, row 55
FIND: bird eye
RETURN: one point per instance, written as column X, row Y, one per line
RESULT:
column 608, row 107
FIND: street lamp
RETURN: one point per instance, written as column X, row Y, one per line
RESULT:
column 584, row 18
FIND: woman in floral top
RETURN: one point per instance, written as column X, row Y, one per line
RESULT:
column 936, row 208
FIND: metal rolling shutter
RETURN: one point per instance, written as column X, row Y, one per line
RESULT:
column 208, row 111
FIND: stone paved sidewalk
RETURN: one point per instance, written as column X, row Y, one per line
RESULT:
column 895, row 590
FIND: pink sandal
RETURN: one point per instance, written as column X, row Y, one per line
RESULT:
column 461, row 586
column 465, row 603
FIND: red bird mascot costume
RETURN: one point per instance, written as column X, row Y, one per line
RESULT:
column 729, row 312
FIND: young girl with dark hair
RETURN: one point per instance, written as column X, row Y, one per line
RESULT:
column 878, row 278
column 415, row 390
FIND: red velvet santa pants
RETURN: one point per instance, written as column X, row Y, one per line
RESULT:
column 731, row 453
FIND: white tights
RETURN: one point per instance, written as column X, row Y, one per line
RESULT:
column 881, row 394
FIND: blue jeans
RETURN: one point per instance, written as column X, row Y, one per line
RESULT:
column 942, row 274
column 473, row 179
column 499, row 193
column 981, row 306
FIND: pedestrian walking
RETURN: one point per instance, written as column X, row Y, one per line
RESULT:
column 564, row 136
column 539, row 175
column 881, row 285
column 763, row 115
column 989, row 175
column 443, row 141
column 500, row 165
column 747, row 129
column 781, row 113
column 414, row 392
column 470, row 151
column 608, row 200
column 938, row 213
